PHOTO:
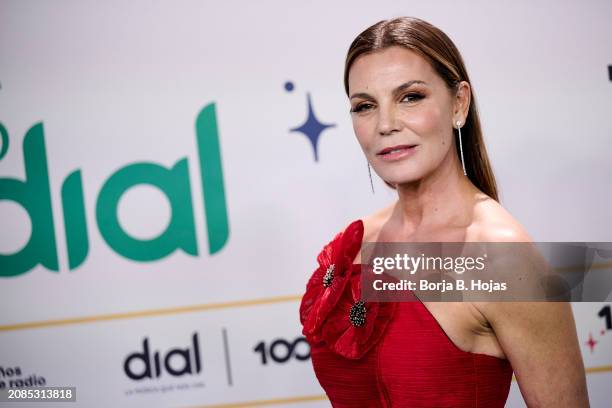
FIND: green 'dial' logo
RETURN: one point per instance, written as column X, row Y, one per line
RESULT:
column 33, row 194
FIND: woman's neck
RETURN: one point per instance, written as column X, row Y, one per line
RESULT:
column 443, row 198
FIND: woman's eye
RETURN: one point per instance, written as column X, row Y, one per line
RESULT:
column 366, row 106
column 362, row 107
column 412, row 97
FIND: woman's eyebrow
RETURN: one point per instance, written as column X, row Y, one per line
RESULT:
column 397, row 90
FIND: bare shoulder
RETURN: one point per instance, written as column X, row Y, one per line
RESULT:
column 372, row 224
column 493, row 223
column 538, row 338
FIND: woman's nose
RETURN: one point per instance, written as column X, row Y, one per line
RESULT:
column 388, row 122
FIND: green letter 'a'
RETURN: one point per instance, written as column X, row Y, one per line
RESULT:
column 174, row 183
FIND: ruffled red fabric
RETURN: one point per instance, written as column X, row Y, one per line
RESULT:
column 324, row 311
column 352, row 341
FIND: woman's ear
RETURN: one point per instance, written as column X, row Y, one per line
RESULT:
column 463, row 97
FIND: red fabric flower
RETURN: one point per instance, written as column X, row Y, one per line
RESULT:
column 354, row 326
column 330, row 311
column 329, row 279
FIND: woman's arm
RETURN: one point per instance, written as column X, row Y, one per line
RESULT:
column 538, row 338
column 540, row 341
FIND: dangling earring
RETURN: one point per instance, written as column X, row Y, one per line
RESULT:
column 370, row 174
column 461, row 147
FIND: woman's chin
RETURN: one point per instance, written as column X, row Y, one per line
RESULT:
column 403, row 179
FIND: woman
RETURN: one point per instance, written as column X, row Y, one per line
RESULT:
column 414, row 115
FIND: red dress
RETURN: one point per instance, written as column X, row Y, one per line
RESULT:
column 387, row 354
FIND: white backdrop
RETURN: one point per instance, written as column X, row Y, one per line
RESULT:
column 119, row 83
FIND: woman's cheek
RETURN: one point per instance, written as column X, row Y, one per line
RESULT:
column 363, row 133
column 425, row 122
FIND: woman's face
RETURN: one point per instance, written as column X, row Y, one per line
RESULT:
column 399, row 101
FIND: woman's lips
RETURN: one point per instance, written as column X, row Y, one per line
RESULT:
column 397, row 153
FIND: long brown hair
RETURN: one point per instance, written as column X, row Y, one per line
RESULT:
column 435, row 46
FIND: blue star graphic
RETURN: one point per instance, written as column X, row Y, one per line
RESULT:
column 312, row 128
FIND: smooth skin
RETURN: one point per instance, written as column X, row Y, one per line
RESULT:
column 397, row 98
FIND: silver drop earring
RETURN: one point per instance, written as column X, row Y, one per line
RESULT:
column 370, row 174
column 461, row 147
